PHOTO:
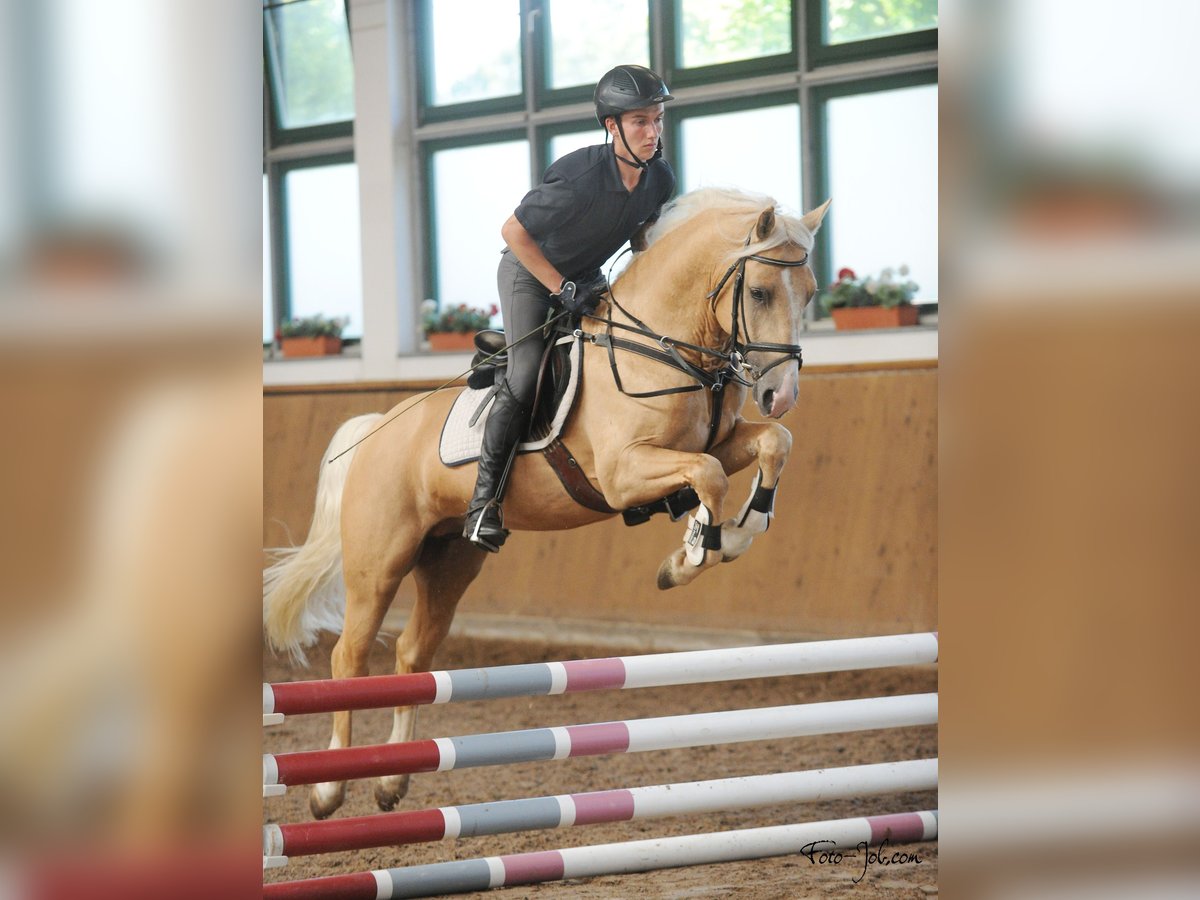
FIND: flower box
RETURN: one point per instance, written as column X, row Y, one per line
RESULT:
column 452, row 340
column 311, row 345
column 454, row 327
column 850, row 317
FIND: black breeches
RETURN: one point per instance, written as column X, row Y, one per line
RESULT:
column 524, row 304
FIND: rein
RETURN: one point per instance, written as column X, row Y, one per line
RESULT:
column 667, row 351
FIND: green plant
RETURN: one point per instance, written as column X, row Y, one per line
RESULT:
column 461, row 319
column 884, row 290
column 313, row 326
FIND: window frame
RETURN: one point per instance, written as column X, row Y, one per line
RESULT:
column 823, row 54
column 820, row 96
column 430, row 112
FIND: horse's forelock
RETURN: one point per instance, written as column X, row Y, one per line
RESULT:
column 743, row 208
column 788, row 230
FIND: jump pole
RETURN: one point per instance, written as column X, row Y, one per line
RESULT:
column 564, row 810
column 631, row 736
column 623, row 672
column 611, row 859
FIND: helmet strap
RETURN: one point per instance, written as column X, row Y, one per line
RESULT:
column 637, row 163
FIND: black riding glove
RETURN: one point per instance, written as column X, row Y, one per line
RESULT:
column 580, row 297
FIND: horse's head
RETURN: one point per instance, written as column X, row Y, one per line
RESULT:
column 777, row 284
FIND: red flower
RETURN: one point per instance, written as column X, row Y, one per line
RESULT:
column 845, row 273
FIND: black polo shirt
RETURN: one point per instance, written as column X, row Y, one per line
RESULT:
column 581, row 214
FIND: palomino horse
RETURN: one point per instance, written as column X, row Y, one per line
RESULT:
column 723, row 271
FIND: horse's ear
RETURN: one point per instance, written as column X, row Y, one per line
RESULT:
column 766, row 224
column 812, row 219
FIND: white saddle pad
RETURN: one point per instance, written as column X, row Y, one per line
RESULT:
column 461, row 440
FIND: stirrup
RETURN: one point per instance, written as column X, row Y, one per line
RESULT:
column 490, row 543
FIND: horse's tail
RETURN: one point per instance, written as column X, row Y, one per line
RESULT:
column 303, row 591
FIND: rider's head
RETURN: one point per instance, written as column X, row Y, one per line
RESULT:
column 635, row 95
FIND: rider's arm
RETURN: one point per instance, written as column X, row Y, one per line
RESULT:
column 525, row 248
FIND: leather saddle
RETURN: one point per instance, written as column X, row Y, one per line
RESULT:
column 489, row 364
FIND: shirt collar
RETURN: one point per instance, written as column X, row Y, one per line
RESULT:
column 613, row 180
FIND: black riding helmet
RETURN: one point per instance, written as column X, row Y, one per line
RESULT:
column 623, row 89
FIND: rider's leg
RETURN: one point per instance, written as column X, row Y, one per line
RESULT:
column 524, row 303
column 506, row 423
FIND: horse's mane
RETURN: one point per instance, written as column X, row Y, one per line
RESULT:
column 739, row 209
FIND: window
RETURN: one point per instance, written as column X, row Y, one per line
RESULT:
column 311, row 253
column 472, row 56
column 713, row 32
column 883, row 156
column 855, row 20
column 308, row 57
column 747, row 113
column 727, row 149
column 845, row 30
column 574, row 55
column 562, row 144
column 324, row 270
column 467, row 211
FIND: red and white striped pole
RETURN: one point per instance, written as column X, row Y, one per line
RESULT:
column 564, row 810
column 631, row 736
column 462, row 876
column 622, row 673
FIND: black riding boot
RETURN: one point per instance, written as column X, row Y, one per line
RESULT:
column 506, row 423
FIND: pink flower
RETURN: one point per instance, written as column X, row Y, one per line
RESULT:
column 846, row 273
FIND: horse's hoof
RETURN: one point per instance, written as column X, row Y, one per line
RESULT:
column 666, row 576
column 391, row 790
column 321, row 806
column 385, row 799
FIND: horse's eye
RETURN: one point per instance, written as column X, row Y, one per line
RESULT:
column 759, row 295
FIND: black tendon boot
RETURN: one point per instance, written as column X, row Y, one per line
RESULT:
column 506, row 423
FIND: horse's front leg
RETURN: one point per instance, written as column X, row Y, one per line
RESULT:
column 769, row 443
column 645, row 474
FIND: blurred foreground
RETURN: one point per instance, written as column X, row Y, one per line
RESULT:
column 1070, row 428
column 131, row 462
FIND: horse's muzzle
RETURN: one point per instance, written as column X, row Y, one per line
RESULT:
column 777, row 397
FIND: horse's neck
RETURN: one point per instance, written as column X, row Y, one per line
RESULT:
column 667, row 288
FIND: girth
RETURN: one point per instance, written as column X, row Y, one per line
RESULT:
column 580, row 489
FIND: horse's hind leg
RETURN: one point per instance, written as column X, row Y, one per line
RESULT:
column 369, row 593
column 444, row 570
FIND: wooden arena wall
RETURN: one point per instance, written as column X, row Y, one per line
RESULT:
column 852, row 551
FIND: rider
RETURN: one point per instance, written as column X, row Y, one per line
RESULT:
column 589, row 203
